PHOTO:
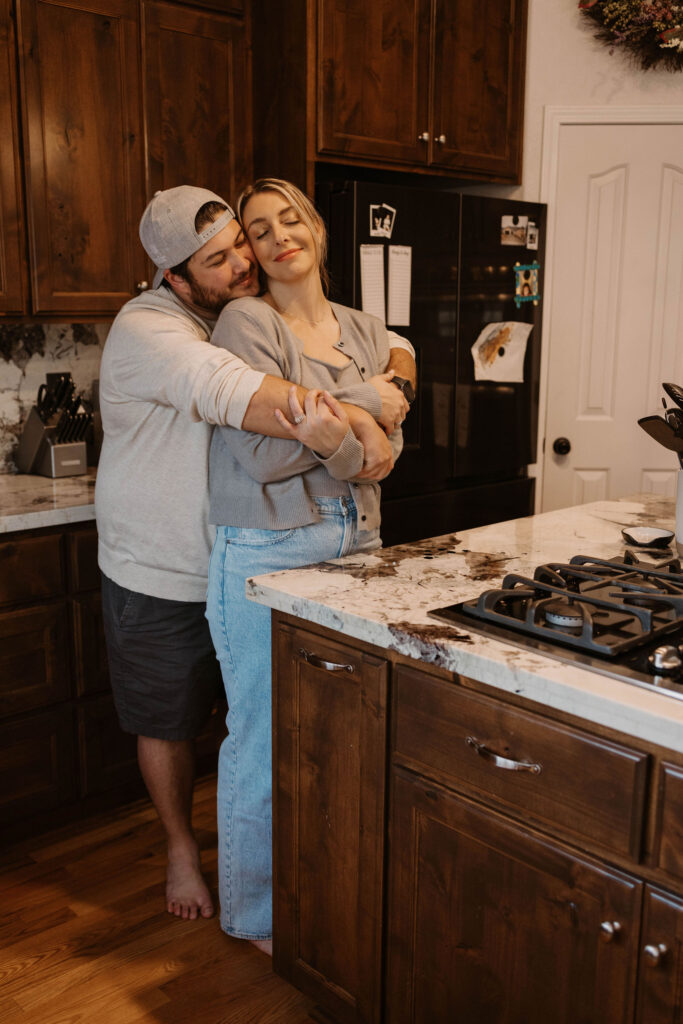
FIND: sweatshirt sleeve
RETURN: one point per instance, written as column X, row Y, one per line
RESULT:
column 167, row 362
column 268, row 459
column 396, row 341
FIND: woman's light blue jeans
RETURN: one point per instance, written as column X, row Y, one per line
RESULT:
column 241, row 635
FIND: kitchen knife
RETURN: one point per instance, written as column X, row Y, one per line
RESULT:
column 674, row 392
column 663, row 432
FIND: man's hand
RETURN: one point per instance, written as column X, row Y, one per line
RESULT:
column 321, row 425
column 394, row 406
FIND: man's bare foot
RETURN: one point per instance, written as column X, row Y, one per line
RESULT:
column 187, row 894
column 265, row 945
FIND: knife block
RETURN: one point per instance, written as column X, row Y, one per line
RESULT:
column 35, row 454
column 57, row 460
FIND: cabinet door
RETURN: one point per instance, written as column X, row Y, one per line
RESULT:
column 373, row 61
column 489, row 924
column 329, row 746
column 83, row 141
column 478, row 86
column 198, row 122
column 12, row 283
column 660, row 995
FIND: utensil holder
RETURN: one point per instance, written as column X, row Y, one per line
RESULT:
column 35, row 453
column 679, row 513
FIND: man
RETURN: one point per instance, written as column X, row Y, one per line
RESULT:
column 162, row 388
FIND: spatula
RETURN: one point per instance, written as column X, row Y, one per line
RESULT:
column 663, row 432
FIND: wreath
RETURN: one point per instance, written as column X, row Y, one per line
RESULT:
column 651, row 31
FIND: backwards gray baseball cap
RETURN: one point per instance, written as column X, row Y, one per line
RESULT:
column 167, row 230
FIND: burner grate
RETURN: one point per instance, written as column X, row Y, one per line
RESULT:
column 607, row 607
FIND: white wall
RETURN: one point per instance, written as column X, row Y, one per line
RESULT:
column 567, row 66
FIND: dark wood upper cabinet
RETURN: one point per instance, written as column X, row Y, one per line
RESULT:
column 118, row 98
column 435, row 86
column 373, row 79
column 477, row 86
column 198, row 122
column 12, row 265
column 84, row 152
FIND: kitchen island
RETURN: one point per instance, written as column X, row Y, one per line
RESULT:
column 466, row 830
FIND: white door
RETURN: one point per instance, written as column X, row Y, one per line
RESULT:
column 615, row 326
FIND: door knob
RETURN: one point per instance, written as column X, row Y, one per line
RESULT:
column 562, row 446
column 142, row 286
column 440, row 139
column 424, row 137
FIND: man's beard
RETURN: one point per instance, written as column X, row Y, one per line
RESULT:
column 206, row 298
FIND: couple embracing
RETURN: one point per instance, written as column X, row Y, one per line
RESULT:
column 270, row 434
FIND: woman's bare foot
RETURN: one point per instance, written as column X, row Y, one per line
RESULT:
column 187, row 894
column 265, row 945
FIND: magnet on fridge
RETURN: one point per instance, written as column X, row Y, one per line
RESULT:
column 526, row 283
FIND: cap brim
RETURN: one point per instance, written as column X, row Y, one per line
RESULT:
column 158, row 278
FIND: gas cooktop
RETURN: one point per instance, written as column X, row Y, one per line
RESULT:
column 622, row 619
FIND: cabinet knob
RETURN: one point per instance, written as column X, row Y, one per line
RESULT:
column 609, row 930
column 655, row 953
column 441, row 139
column 142, row 286
column 424, row 137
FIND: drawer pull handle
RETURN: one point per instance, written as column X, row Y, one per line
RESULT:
column 503, row 762
column 329, row 666
column 655, row 954
column 609, row 930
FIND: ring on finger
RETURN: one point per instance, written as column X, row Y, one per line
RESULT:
column 299, row 419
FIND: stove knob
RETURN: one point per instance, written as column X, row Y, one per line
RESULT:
column 665, row 659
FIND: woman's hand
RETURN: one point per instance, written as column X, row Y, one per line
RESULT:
column 321, row 425
column 394, row 405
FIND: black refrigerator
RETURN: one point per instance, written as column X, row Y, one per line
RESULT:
column 454, row 271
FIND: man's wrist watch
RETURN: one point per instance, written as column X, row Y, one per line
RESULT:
column 404, row 385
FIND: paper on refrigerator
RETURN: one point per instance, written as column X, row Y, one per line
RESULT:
column 372, row 280
column 400, row 269
column 499, row 351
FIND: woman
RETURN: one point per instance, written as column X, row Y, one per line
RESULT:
column 278, row 505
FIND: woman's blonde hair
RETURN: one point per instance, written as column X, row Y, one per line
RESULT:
column 305, row 209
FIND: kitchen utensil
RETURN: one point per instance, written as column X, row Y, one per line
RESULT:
column 647, row 536
column 674, row 417
column 675, row 393
column 663, row 432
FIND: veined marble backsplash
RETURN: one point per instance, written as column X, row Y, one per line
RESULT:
column 27, row 353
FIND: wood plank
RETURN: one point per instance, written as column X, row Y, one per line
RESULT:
column 85, row 935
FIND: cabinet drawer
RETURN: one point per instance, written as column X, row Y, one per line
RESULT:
column 31, row 569
column 589, row 788
column 33, row 661
column 670, row 831
column 37, row 770
column 85, row 573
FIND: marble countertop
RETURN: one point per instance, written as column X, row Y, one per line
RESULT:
column 28, row 502
column 385, row 599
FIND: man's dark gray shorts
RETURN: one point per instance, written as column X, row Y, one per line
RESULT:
column 163, row 669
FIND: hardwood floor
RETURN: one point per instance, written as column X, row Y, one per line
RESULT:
column 85, row 938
